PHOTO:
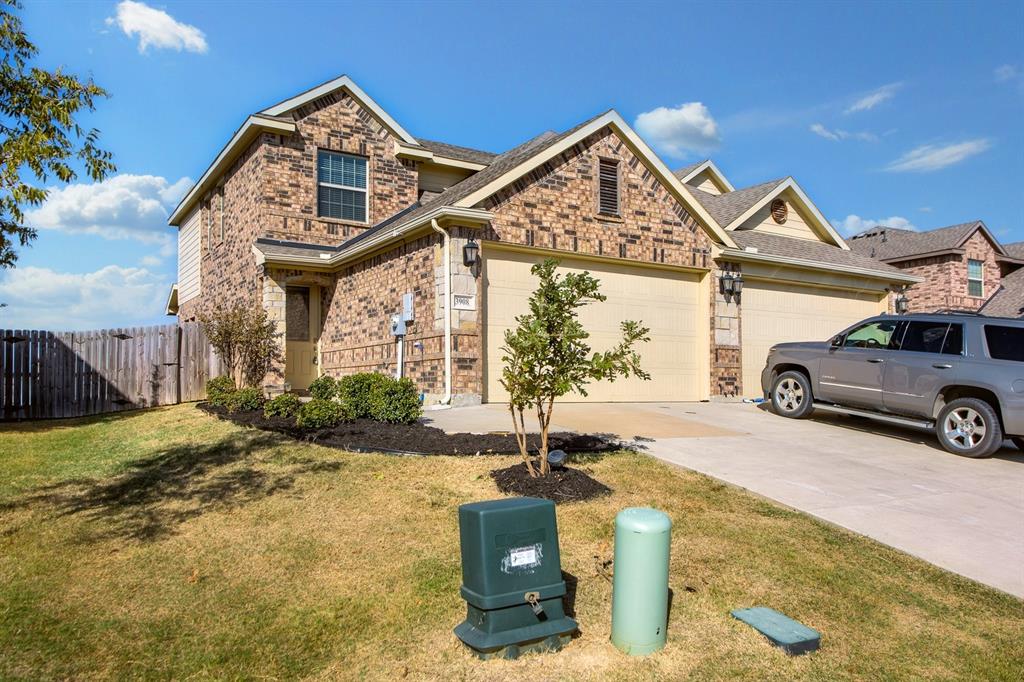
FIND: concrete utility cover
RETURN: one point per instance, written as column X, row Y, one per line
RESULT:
column 894, row 485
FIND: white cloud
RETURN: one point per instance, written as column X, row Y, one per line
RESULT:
column 121, row 207
column 853, row 224
column 925, row 209
column 156, row 28
column 1006, row 72
column 931, row 158
column 686, row 128
column 41, row 298
column 151, row 261
column 874, row 98
column 838, row 134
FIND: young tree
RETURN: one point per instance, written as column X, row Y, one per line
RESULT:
column 547, row 355
column 245, row 340
column 39, row 136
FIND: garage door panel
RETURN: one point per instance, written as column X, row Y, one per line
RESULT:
column 779, row 313
column 665, row 301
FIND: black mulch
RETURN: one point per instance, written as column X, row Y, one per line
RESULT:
column 364, row 435
column 561, row 485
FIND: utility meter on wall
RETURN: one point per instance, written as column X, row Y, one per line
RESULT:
column 397, row 325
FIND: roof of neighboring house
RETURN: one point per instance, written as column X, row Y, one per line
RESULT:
column 893, row 244
column 454, row 151
column 1015, row 250
column 808, row 250
column 725, row 208
column 1008, row 301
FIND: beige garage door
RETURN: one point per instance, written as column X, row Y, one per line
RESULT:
column 665, row 301
column 777, row 313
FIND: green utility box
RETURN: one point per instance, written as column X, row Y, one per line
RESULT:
column 512, row 578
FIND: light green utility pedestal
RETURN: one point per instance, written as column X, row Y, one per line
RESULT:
column 640, row 586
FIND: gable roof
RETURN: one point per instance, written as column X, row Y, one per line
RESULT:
column 894, row 244
column 1014, row 250
column 454, row 151
column 814, row 254
column 1008, row 301
column 687, row 173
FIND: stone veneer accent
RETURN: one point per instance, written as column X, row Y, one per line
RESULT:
column 726, row 356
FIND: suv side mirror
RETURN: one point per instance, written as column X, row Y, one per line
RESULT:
column 836, row 341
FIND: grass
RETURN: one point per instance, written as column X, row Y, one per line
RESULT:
column 167, row 544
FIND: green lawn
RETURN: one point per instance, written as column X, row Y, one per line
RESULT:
column 167, row 544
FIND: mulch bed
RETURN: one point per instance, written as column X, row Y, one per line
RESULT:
column 364, row 435
column 561, row 485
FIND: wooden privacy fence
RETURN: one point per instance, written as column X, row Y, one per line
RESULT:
column 72, row 374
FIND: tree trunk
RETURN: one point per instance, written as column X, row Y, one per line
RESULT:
column 520, row 429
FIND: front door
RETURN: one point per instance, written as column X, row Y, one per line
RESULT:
column 851, row 373
column 302, row 323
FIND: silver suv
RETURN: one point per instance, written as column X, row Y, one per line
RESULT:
column 961, row 375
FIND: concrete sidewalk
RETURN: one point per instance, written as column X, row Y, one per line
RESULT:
column 894, row 485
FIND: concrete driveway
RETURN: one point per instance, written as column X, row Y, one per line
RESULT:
column 894, row 485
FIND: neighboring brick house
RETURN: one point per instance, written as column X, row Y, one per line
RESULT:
column 326, row 212
column 963, row 266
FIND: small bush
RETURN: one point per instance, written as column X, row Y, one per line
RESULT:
column 219, row 390
column 324, row 388
column 246, row 400
column 395, row 401
column 285, row 405
column 320, row 414
column 355, row 390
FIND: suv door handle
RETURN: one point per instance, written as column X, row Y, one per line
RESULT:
column 876, row 360
column 942, row 365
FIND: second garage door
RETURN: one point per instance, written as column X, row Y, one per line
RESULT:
column 669, row 302
column 776, row 313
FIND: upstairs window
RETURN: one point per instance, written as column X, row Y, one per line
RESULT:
column 608, row 187
column 975, row 278
column 341, row 184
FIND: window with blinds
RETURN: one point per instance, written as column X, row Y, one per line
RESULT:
column 975, row 278
column 341, row 180
column 608, row 187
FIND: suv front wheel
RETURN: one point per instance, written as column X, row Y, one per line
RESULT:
column 791, row 395
column 969, row 427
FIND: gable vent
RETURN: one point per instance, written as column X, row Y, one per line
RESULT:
column 608, row 189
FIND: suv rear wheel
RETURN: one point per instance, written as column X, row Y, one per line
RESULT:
column 791, row 395
column 969, row 427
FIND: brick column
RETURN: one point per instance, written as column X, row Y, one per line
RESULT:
column 274, row 304
column 726, row 358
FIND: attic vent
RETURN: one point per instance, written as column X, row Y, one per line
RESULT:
column 779, row 211
column 608, row 187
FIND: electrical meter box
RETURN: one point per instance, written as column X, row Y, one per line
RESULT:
column 512, row 578
column 397, row 325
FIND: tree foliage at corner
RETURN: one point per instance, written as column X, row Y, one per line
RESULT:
column 39, row 136
column 547, row 355
column 245, row 340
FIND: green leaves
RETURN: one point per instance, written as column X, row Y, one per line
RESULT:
column 39, row 136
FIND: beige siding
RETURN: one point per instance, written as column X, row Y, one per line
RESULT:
column 796, row 224
column 434, row 178
column 669, row 302
column 703, row 182
column 189, row 283
column 776, row 313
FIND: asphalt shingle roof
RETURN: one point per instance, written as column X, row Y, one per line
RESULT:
column 888, row 243
column 686, row 170
column 454, row 151
column 805, row 249
column 1015, row 250
column 1009, row 300
column 725, row 208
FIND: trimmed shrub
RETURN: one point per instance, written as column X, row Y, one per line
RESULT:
column 219, row 390
column 246, row 400
column 285, row 405
column 395, row 401
column 324, row 388
column 320, row 414
column 355, row 392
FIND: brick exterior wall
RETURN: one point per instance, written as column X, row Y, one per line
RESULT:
column 945, row 285
column 726, row 357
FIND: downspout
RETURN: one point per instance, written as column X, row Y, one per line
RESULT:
column 447, row 312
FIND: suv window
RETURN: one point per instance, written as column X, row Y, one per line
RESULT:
column 875, row 335
column 933, row 337
column 1005, row 343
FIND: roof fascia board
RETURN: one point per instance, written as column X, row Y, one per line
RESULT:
column 924, row 254
column 981, row 226
column 638, row 146
column 243, row 136
column 406, row 151
column 740, row 255
column 806, row 204
column 354, row 90
column 709, row 165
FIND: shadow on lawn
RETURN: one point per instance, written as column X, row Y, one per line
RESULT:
column 158, row 493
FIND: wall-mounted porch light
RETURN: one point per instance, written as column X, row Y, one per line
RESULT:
column 731, row 284
column 471, row 256
column 901, row 304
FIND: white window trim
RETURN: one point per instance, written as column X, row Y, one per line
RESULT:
column 980, row 280
column 365, row 190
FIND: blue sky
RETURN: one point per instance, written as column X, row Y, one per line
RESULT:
column 906, row 113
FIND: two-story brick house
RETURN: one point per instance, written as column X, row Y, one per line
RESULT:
column 963, row 267
column 325, row 211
